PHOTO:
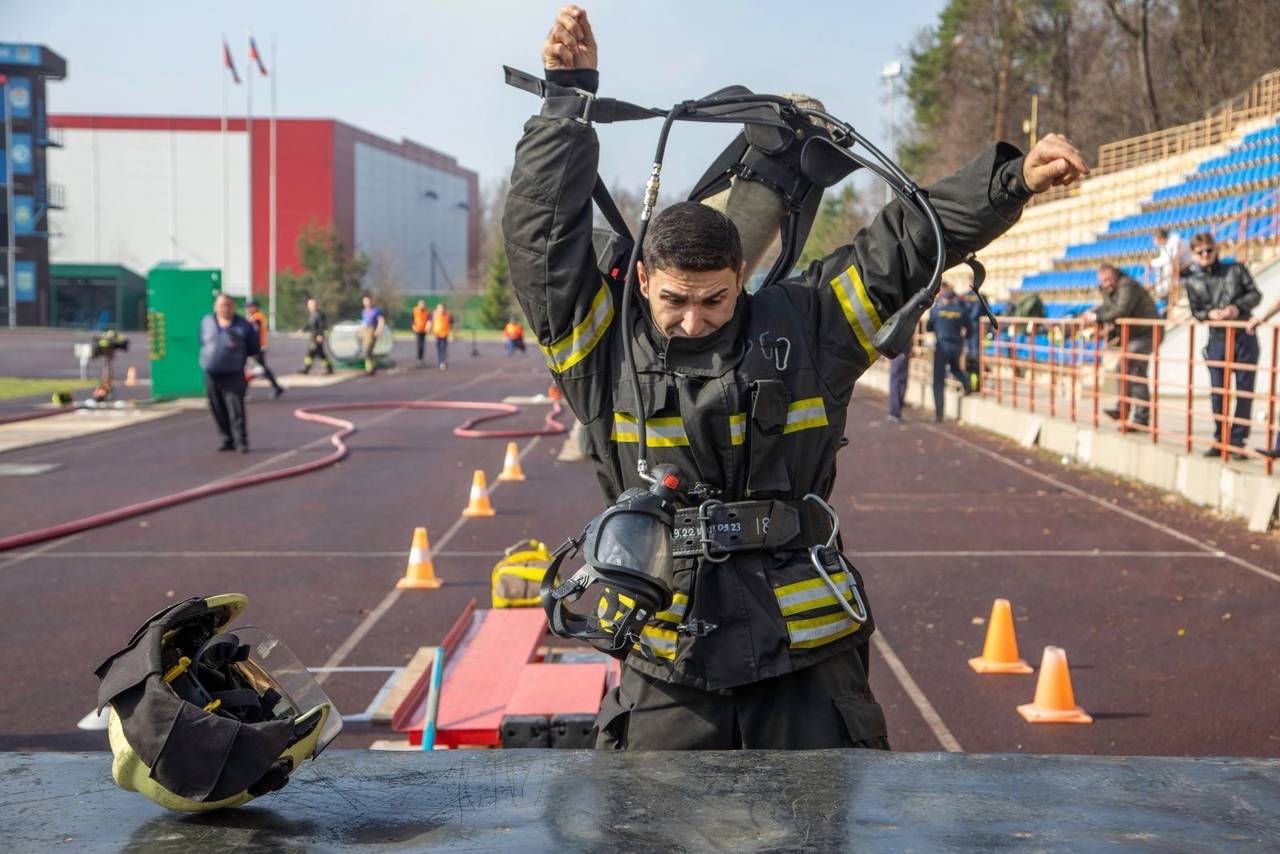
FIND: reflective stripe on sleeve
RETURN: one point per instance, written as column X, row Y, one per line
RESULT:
column 738, row 428
column 816, row 631
column 659, row 432
column 805, row 415
column 574, row 347
column 858, row 309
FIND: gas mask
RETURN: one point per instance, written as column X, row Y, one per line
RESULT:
column 628, row 563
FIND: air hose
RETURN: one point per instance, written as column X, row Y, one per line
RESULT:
column 314, row 414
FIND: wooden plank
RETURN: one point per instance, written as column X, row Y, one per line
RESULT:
column 419, row 664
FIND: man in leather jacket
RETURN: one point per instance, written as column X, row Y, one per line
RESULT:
column 1218, row 290
column 745, row 394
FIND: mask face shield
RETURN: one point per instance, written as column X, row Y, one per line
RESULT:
column 626, row 579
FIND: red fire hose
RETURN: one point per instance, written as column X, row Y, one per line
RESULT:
column 345, row 428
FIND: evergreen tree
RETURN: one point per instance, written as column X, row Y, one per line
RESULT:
column 496, row 307
column 331, row 273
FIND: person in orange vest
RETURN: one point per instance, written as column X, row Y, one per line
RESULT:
column 513, row 336
column 441, row 321
column 259, row 320
column 421, row 326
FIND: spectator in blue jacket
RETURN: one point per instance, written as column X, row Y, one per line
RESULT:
column 227, row 341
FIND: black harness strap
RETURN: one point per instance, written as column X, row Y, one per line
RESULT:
column 772, row 525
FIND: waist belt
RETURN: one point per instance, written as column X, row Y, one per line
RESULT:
column 716, row 529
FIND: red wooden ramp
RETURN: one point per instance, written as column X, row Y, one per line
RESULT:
column 491, row 673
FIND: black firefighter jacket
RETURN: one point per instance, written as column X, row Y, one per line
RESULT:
column 757, row 409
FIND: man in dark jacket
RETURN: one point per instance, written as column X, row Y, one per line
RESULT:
column 1122, row 298
column 748, row 397
column 227, row 341
column 1225, row 291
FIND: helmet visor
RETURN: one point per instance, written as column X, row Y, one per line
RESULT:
column 271, row 664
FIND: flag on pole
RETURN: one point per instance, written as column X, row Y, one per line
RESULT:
column 254, row 56
column 229, row 62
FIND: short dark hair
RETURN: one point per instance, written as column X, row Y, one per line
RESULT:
column 1162, row 233
column 693, row 237
column 1204, row 238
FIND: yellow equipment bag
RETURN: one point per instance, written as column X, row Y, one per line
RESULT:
column 516, row 577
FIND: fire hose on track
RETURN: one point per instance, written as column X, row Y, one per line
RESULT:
column 466, row 430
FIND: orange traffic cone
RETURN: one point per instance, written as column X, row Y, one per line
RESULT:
column 553, row 393
column 131, row 376
column 1000, row 651
column 479, row 503
column 421, row 572
column 1054, row 703
column 511, row 465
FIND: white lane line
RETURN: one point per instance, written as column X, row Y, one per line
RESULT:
column 1128, row 514
column 1039, row 553
column 40, row 550
column 927, row 711
column 371, row 619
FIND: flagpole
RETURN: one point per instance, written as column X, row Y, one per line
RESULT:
column 226, row 226
column 271, row 244
column 248, row 70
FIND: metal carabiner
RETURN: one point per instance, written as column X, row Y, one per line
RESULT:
column 816, row 556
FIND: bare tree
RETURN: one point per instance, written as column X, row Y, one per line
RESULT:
column 1134, row 19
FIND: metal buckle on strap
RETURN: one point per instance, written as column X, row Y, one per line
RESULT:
column 705, row 534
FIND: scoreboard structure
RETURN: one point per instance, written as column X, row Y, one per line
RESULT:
column 27, row 194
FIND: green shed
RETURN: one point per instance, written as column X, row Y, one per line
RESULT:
column 97, row 296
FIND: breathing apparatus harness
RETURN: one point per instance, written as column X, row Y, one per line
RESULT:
column 797, row 151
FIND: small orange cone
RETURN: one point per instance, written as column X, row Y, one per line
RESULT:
column 511, row 465
column 421, row 572
column 479, row 503
column 553, row 393
column 1000, row 651
column 131, row 376
column 1054, row 703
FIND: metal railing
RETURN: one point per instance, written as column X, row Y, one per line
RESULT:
column 1069, row 369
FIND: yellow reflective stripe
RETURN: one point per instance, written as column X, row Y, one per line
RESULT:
column 574, row 347
column 679, row 604
column 659, row 432
column 738, row 428
column 858, row 309
column 816, row 631
column 812, row 595
column 805, row 415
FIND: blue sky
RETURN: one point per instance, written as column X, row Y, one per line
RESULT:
column 431, row 71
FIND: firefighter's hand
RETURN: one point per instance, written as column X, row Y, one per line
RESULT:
column 1054, row 162
column 570, row 44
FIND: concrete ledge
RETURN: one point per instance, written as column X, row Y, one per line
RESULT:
column 1059, row 437
column 587, row 800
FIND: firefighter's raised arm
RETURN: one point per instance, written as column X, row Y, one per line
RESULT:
column 862, row 284
column 547, row 224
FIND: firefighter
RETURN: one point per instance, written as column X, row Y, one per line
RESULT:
column 745, row 394
column 317, row 325
column 949, row 323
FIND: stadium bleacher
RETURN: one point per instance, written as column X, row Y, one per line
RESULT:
column 1223, row 194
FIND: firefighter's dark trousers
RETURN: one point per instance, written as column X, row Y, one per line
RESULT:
column 826, row 705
